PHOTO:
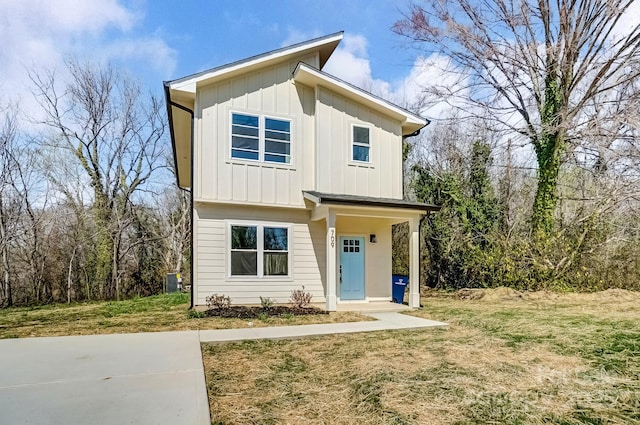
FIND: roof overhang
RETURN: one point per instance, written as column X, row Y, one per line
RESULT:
column 312, row 77
column 180, row 114
column 332, row 199
column 180, row 94
column 323, row 45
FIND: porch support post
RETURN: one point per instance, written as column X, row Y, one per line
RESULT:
column 414, row 262
column 332, row 243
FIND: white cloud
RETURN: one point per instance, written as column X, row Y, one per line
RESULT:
column 350, row 63
column 39, row 35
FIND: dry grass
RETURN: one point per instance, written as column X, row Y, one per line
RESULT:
column 538, row 359
column 150, row 314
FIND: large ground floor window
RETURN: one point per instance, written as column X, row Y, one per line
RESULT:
column 259, row 250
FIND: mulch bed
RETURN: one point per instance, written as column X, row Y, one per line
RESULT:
column 245, row 312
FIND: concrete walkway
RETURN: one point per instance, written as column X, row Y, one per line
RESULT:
column 146, row 378
column 385, row 321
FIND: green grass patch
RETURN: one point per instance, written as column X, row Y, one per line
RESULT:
column 565, row 361
column 168, row 312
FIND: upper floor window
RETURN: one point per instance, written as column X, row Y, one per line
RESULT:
column 260, row 138
column 361, row 144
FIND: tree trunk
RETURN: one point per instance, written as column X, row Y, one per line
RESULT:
column 546, row 199
column 104, row 245
column 549, row 147
column 69, row 281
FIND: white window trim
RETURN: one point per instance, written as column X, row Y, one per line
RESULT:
column 260, row 225
column 353, row 143
column 261, row 138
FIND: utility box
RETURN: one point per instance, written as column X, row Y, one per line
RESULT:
column 173, row 283
column 398, row 286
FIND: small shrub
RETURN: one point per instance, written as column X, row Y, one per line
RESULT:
column 299, row 298
column 266, row 303
column 195, row 314
column 218, row 302
column 263, row 317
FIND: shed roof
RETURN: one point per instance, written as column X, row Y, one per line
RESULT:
column 356, row 200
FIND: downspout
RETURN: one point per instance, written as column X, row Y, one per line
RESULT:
column 171, row 103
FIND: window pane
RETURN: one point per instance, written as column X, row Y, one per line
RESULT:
column 361, row 153
column 361, row 135
column 244, row 154
column 276, row 263
column 244, row 143
column 277, row 147
column 275, row 239
column 276, row 135
column 244, row 237
column 271, row 124
column 244, row 131
column 244, row 263
column 247, row 120
column 282, row 159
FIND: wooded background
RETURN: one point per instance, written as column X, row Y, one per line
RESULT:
column 533, row 154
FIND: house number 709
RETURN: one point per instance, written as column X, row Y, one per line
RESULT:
column 333, row 238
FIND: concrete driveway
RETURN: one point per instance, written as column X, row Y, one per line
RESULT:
column 145, row 378
column 151, row 378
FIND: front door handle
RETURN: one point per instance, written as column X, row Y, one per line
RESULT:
column 340, row 273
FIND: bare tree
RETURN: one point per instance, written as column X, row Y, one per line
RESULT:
column 555, row 73
column 117, row 136
column 9, row 202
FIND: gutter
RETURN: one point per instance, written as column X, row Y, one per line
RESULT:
column 171, row 103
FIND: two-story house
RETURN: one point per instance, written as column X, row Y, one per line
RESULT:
column 296, row 179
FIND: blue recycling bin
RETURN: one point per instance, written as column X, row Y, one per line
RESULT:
column 398, row 286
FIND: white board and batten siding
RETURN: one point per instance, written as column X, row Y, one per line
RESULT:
column 268, row 92
column 336, row 172
column 211, row 246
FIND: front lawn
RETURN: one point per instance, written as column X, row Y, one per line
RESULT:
column 541, row 359
column 149, row 314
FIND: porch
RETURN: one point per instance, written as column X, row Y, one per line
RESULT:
column 359, row 249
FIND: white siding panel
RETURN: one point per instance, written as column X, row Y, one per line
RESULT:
column 254, row 194
column 268, row 184
column 282, row 186
column 269, row 91
column 239, row 182
column 336, row 173
column 307, row 255
column 254, row 92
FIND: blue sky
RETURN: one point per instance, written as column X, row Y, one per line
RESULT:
column 161, row 39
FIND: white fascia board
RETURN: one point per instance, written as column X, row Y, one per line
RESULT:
column 190, row 83
column 312, row 77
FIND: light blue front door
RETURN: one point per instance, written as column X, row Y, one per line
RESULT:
column 351, row 268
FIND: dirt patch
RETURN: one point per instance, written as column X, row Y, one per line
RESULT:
column 246, row 312
column 470, row 294
column 509, row 294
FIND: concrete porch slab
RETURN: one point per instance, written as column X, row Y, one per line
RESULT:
column 372, row 307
